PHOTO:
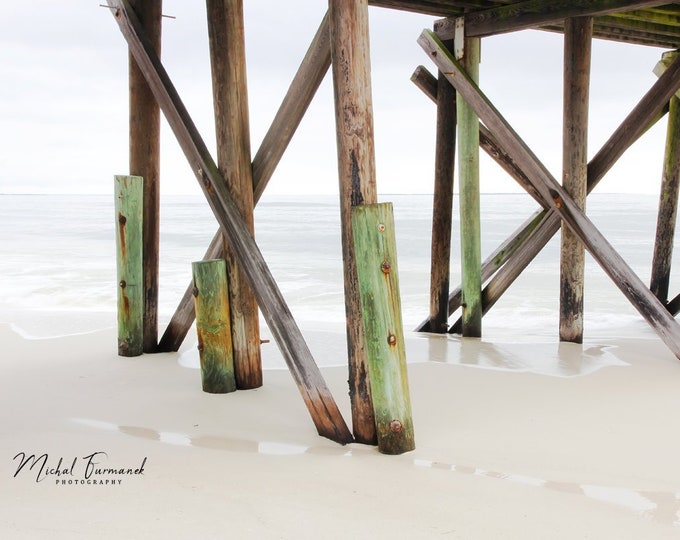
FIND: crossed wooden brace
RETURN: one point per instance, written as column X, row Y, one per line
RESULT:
column 550, row 194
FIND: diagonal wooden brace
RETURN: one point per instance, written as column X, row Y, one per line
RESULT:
column 316, row 395
column 551, row 192
column 302, row 89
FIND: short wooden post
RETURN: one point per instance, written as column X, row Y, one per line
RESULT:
column 129, row 213
column 376, row 253
column 577, row 45
column 470, row 220
column 442, row 210
column 350, row 53
column 145, row 143
column 213, row 326
column 668, row 201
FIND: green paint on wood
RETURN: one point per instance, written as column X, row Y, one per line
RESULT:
column 213, row 327
column 376, row 258
column 470, row 221
column 128, row 214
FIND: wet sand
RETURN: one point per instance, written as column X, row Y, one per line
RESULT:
column 530, row 440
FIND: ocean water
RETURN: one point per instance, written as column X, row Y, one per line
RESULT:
column 58, row 261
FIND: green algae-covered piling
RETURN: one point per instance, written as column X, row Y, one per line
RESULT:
column 376, row 253
column 213, row 327
column 470, row 219
column 129, row 212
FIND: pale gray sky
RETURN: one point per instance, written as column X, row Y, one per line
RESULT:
column 63, row 101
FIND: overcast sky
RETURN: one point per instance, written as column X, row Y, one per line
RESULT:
column 64, row 105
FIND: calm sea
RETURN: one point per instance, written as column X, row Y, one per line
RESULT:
column 58, row 261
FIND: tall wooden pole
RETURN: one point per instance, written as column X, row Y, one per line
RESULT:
column 227, row 58
column 350, row 55
column 442, row 210
column 668, row 201
column 145, row 136
column 470, row 227
column 577, row 46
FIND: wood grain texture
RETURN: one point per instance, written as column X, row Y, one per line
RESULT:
column 213, row 326
column 129, row 196
column 145, row 143
column 377, row 270
column 350, row 56
column 230, row 98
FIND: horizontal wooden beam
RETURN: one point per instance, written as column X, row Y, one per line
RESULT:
column 315, row 393
column 535, row 13
column 553, row 193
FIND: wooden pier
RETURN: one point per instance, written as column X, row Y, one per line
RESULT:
column 234, row 181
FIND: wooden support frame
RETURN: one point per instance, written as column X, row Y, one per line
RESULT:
column 230, row 97
column 651, row 108
column 350, row 60
column 306, row 82
column 610, row 261
column 145, row 144
column 578, row 34
column 317, row 397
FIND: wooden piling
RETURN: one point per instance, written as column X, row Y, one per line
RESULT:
column 145, row 137
column 230, row 96
column 577, row 46
column 470, row 219
column 350, row 54
column 376, row 252
column 668, row 201
column 442, row 210
column 213, row 326
column 129, row 214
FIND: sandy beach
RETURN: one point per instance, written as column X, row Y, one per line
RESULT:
column 502, row 452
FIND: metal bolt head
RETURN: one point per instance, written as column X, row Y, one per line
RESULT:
column 385, row 267
column 122, row 284
column 381, row 227
column 195, row 292
column 392, row 340
column 396, row 426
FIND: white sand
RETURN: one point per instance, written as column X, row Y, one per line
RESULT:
column 560, row 442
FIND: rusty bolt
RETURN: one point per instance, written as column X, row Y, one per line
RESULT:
column 122, row 284
column 396, row 426
column 392, row 340
column 558, row 202
column 123, row 346
column 385, row 267
column 195, row 292
column 122, row 219
column 381, row 227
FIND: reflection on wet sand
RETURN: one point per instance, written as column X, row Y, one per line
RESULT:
column 662, row 507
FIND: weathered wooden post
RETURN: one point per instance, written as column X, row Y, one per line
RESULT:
column 213, row 326
column 129, row 214
column 442, row 210
column 350, row 54
column 376, row 253
column 145, row 137
column 668, row 201
column 230, row 93
column 470, row 220
column 577, row 45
